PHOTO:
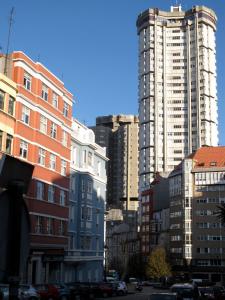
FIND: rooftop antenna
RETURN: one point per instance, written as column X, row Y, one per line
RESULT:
column 8, row 40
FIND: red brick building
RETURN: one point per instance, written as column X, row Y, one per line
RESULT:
column 43, row 113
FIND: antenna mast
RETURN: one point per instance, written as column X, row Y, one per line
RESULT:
column 8, row 40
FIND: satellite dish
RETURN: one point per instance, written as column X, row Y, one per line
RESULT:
column 4, row 235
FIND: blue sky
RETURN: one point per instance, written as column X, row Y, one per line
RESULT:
column 92, row 46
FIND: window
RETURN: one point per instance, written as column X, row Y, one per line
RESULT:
column 39, row 227
column 83, row 185
column 2, row 99
column 65, row 109
column 41, row 156
column 9, row 139
column 99, row 168
column 71, row 213
column 64, row 138
column 51, row 194
column 1, row 137
column 85, row 242
column 40, row 190
column 73, row 184
column 63, row 167
column 89, row 159
column 52, row 162
column 27, row 81
column 98, row 193
column 89, row 187
column 86, row 213
column 25, row 115
column 11, row 105
column 23, row 149
column 43, row 124
column 55, row 100
column 53, row 130
column 62, row 198
column 61, row 227
column 44, row 92
column 49, row 226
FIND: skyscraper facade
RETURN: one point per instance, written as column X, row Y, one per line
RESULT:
column 177, row 87
column 119, row 134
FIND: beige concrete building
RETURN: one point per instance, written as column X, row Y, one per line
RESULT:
column 197, row 236
column 177, row 87
column 8, row 91
column 119, row 134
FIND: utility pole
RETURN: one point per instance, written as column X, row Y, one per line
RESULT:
column 8, row 40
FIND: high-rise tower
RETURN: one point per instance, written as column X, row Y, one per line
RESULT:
column 177, row 87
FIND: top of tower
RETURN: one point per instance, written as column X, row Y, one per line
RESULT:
column 176, row 16
column 176, row 8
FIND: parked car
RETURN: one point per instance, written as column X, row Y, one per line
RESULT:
column 107, row 289
column 4, row 288
column 163, row 296
column 28, row 292
column 121, row 288
column 185, row 291
column 64, row 291
column 47, row 291
column 25, row 292
column 74, row 290
column 212, row 292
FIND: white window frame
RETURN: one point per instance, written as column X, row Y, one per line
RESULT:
column 64, row 138
column 41, row 156
column 62, row 198
column 43, row 124
column 40, row 190
column 53, row 131
column 2, row 98
column 63, row 167
column 27, row 81
column 55, row 100
column 25, row 117
column 39, row 228
column 51, row 192
column 49, row 226
column 61, row 227
column 89, row 186
column 11, row 105
column 52, row 161
column 90, row 158
column 65, row 109
column 44, row 92
column 23, row 149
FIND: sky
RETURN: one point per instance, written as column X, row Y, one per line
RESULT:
column 92, row 45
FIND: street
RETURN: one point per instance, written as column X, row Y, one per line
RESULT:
column 133, row 295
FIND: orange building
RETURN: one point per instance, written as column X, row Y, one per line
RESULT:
column 42, row 134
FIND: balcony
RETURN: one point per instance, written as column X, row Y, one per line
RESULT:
column 80, row 255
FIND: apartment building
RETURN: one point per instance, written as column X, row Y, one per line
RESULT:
column 43, row 118
column 85, row 256
column 197, row 236
column 8, row 91
column 154, row 213
column 119, row 134
column 177, row 87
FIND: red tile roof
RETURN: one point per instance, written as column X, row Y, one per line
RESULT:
column 208, row 157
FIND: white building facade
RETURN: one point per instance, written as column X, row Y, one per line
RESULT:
column 85, row 255
column 177, row 87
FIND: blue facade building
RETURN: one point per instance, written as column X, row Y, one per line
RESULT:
column 85, row 255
